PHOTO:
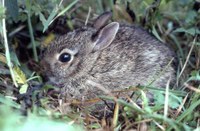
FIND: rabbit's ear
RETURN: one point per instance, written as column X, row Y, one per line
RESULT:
column 102, row 20
column 106, row 36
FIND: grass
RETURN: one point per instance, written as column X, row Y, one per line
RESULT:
column 173, row 22
column 7, row 53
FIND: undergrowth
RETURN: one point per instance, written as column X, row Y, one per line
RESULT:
column 27, row 27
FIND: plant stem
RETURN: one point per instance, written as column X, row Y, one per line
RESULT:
column 7, row 52
column 30, row 28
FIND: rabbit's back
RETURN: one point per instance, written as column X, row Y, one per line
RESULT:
column 134, row 58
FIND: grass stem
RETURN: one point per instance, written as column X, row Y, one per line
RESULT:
column 30, row 28
column 7, row 52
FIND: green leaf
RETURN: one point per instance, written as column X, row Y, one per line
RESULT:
column 67, row 8
column 189, row 111
column 13, row 121
column 52, row 17
column 42, row 18
column 159, row 98
column 23, row 89
column 192, row 31
column 195, row 75
column 174, row 101
column 35, row 123
column 191, row 15
column 19, row 75
column 47, row 22
column 155, row 33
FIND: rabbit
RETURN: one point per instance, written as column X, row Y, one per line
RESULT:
column 113, row 56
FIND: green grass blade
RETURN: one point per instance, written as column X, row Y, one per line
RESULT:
column 189, row 111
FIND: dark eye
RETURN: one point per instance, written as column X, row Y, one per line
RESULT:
column 65, row 57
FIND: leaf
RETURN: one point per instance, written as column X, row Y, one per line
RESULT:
column 38, row 123
column 53, row 14
column 67, row 8
column 155, row 33
column 159, row 98
column 23, row 89
column 19, row 75
column 47, row 22
column 174, row 101
column 195, row 75
column 13, row 121
column 189, row 111
column 190, row 17
column 192, row 31
column 42, row 18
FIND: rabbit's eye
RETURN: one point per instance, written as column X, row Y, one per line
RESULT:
column 65, row 57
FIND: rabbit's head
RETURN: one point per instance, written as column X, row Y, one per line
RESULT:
column 74, row 53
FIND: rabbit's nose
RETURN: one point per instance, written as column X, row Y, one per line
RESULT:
column 43, row 66
column 44, row 71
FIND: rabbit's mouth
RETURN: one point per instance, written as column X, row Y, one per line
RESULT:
column 55, row 81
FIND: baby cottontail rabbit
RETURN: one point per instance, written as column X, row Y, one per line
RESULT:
column 114, row 56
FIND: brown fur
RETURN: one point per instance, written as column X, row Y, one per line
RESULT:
column 133, row 58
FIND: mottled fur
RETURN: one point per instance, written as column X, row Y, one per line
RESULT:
column 133, row 58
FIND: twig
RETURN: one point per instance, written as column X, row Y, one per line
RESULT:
column 191, row 88
column 181, row 106
column 16, row 30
